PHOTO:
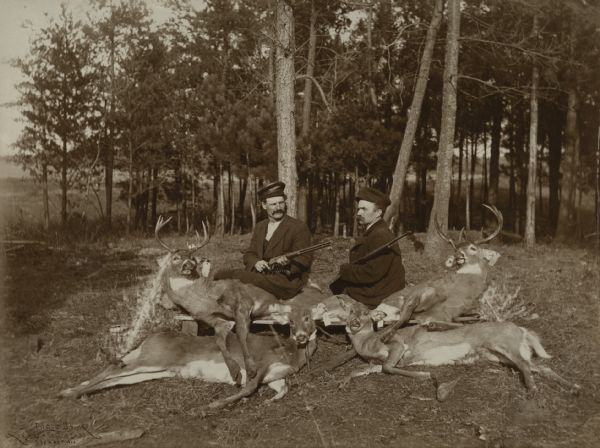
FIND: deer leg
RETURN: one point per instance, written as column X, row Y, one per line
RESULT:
column 243, row 313
column 250, row 387
column 222, row 329
column 395, row 355
column 548, row 373
column 363, row 371
column 521, row 364
column 117, row 376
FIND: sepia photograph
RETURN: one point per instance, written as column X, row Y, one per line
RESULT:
column 300, row 223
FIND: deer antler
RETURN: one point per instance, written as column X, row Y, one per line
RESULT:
column 500, row 219
column 206, row 239
column 160, row 223
column 442, row 234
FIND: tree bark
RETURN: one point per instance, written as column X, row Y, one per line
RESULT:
column 495, row 150
column 45, row 199
column 306, row 109
column 529, row 238
column 130, row 183
column 414, row 113
column 556, row 124
column 566, row 226
column 284, row 99
column 109, row 156
column 63, row 184
column 441, row 197
column 220, row 218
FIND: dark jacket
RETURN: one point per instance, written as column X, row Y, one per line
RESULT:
column 375, row 279
column 289, row 236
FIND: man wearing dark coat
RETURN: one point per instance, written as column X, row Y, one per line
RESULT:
column 272, row 238
column 371, row 281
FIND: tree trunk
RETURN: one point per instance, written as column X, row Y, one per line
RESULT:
column 567, row 225
column 529, row 239
column 220, row 218
column 45, row 199
column 495, row 150
column 252, row 187
column 307, row 103
column 468, row 183
column 130, row 184
column 154, row 195
column 512, row 184
column 354, row 217
column 597, row 191
column 109, row 156
column 414, row 113
column 372, row 95
column 556, row 124
column 441, row 197
column 336, row 220
column 63, row 184
column 284, row 92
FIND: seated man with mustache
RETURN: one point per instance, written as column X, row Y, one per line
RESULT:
column 382, row 274
column 272, row 238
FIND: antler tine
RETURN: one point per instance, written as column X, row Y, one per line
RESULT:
column 462, row 235
column 442, row 234
column 206, row 238
column 160, row 223
column 500, row 220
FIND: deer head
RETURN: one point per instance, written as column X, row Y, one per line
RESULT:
column 184, row 262
column 469, row 253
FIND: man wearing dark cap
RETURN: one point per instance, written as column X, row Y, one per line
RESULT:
column 371, row 281
column 272, row 238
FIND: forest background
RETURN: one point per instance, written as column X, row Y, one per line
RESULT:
column 446, row 105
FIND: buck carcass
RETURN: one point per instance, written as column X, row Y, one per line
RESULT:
column 501, row 342
column 455, row 293
column 222, row 304
column 164, row 355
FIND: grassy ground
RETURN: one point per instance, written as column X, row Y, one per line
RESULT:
column 59, row 305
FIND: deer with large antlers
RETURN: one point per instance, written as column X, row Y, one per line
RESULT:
column 222, row 304
column 502, row 342
column 457, row 292
column 164, row 355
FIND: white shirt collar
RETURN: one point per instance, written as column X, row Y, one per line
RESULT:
column 271, row 227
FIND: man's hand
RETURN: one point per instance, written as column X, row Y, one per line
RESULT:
column 281, row 261
column 261, row 265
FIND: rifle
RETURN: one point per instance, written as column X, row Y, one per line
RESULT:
column 337, row 286
column 276, row 267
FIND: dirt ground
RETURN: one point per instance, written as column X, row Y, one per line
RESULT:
column 59, row 304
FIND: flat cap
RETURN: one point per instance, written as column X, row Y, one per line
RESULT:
column 272, row 190
column 374, row 196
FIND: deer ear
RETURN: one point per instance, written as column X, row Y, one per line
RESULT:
column 491, row 256
column 318, row 311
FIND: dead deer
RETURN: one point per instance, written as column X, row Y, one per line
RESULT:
column 501, row 342
column 222, row 304
column 164, row 355
column 457, row 292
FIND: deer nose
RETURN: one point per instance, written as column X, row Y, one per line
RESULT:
column 301, row 338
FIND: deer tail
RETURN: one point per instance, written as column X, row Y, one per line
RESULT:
column 534, row 342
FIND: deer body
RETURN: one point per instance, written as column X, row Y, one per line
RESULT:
column 221, row 304
column 451, row 295
column 501, row 342
column 164, row 355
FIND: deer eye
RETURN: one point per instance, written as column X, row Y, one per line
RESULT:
column 176, row 259
column 472, row 248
